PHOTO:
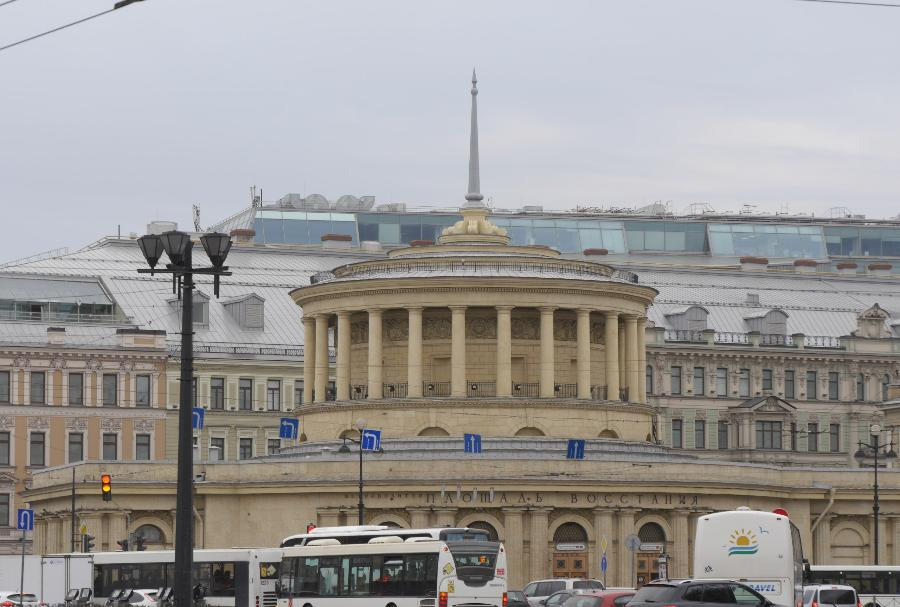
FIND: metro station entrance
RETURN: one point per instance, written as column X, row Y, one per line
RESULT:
column 570, row 551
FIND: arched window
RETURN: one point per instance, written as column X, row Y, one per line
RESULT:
column 529, row 431
column 434, row 431
column 607, row 433
column 485, row 526
column 649, row 379
column 569, row 533
column 860, row 387
column 652, row 533
column 885, row 384
column 151, row 534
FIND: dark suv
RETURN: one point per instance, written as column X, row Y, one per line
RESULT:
column 697, row 593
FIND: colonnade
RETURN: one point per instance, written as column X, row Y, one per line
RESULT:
column 625, row 357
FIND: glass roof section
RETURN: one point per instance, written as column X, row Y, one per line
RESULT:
column 766, row 240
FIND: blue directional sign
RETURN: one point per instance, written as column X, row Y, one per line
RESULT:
column 473, row 443
column 371, row 440
column 603, row 563
column 576, row 449
column 197, row 415
column 25, row 519
column 290, row 428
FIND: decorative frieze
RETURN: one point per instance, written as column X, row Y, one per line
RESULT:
column 565, row 329
column 76, row 423
column 7, row 422
column 526, row 328
column 38, row 423
column 143, row 425
column 359, row 332
column 436, row 328
column 110, row 424
column 481, row 328
column 395, row 329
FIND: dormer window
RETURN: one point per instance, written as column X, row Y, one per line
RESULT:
column 690, row 318
column 773, row 322
column 247, row 310
column 200, row 308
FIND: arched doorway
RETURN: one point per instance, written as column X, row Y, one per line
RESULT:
column 570, row 551
column 653, row 544
column 153, row 536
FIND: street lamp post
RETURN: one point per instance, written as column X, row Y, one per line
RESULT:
column 344, row 449
column 872, row 450
column 177, row 246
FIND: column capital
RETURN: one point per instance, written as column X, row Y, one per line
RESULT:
column 583, row 311
column 445, row 510
column 309, row 318
column 513, row 510
column 414, row 308
column 458, row 307
column 375, row 311
column 541, row 510
column 504, row 308
column 344, row 313
column 611, row 313
column 601, row 510
column 412, row 509
column 547, row 309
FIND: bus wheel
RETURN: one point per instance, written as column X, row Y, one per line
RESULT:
column 391, row 605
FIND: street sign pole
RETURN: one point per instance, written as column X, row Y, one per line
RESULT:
column 22, row 573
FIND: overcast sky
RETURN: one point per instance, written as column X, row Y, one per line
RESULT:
column 145, row 111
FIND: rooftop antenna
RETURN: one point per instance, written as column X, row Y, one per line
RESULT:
column 195, row 210
column 747, row 209
column 474, row 199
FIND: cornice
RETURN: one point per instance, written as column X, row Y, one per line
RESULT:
column 70, row 412
column 481, row 403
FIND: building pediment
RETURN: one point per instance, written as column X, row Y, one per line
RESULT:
column 765, row 404
column 7, row 480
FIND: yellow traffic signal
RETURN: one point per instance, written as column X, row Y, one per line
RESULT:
column 106, row 487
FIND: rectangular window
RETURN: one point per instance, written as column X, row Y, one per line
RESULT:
column 4, row 509
column 245, row 394
column 110, row 446
column 722, row 382
column 273, row 395
column 217, row 393
column 246, row 448
column 36, row 443
column 789, row 390
column 723, row 435
column 648, row 379
column 38, row 388
column 4, row 451
column 834, row 434
column 273, row 446
column 110, row 390
column 793, row 436
column 298, row 394
column 76, row 447
column 142, row 391
column 700, row 380
column 76, row 389
column 677, row 438
column 811, row 385
column 216, row 449
column 699, row 434
column 812, row 437
column 194, row 391
column 744, row 383
column 676, row 380
column 768, row 435
column 4, row 389
column 767, row 379
column 142, row 447
column 833, row 385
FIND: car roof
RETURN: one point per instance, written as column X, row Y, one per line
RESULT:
column 605, row 593
column 830, row 587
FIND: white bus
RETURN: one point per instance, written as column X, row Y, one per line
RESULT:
column 361, row 534
column 391, row 572
column 876, row 585
column 760, row 549
column 238, row 577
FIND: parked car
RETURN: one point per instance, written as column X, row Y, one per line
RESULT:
column 540, row 590
column 689, row 593
column 558, row 598
column 830, row 595
column 516, row 598
column 603, row 598
column 11, row 598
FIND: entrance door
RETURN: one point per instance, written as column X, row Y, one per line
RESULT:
column 570, row 564
column 646, row 568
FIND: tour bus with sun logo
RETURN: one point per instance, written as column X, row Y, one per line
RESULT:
column 759, row 549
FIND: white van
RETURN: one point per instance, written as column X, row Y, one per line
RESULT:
column 830, row 595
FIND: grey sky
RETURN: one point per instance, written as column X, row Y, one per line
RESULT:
column 140, row 113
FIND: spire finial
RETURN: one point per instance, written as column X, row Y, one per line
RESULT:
column 474, row 197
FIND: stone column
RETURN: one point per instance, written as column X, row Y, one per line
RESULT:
column 623, row 366
column 895, row 539
column 118, row 527
column 584, row 353
column 376, row 385
column 504, row 350
column 343, row 356
column 92, row 523
column 821, row 553
column 321, row 357
column 611, row 343
column 548, row 379
column 883, row 540
column 680, row 563
column 625, row 572
column 39, row 536
column 309, row 357
column 513, row 541
column 642, row 361
column 603, row 527
column 446, row 517
column 419, row 518
column 54, row 541
column 540, row 555
column 328, row 517
column 458, row 352
column 631, row 357
column 414, row 354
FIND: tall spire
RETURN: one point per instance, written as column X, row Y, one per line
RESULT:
column 474, row 197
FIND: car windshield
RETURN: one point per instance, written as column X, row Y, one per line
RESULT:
column 653, row 593
column 837, row 597
column 592, row 584
column 515, row 595
column 583, row 601
column 26, row 597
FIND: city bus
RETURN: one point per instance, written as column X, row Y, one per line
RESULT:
column 392, row 572
column 876, row 585
column 238, row 577
column 360, row 534
column 760, row 549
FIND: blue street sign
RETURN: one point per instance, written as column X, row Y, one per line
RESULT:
column 290, row 428
column 576, row 449
column 473, row 443
column 25, row 519
column 197, row 415
column 371, row 440
column 603, row 563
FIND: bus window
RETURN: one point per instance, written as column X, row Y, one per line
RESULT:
column 458, row 535
column 356, row 575
column 420, row 574
column 392, row 575
column 222, row 579
column 328, row 576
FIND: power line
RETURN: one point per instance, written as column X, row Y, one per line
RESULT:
column 854, row 3
column 7, row 2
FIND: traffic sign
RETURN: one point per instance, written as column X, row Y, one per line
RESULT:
column 576, row 449
column 371, row 440
column 603, row 544
column 197, row 415
column 633, row 542
column 604, row 564
column 25, row 519
column 290, row 428
column 473, row 443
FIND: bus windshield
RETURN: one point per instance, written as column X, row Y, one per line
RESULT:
column 475, row 563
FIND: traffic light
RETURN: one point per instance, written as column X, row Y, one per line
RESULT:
column 87, row 543
column 139, row 542
column 106, row 487
column 123, row 545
